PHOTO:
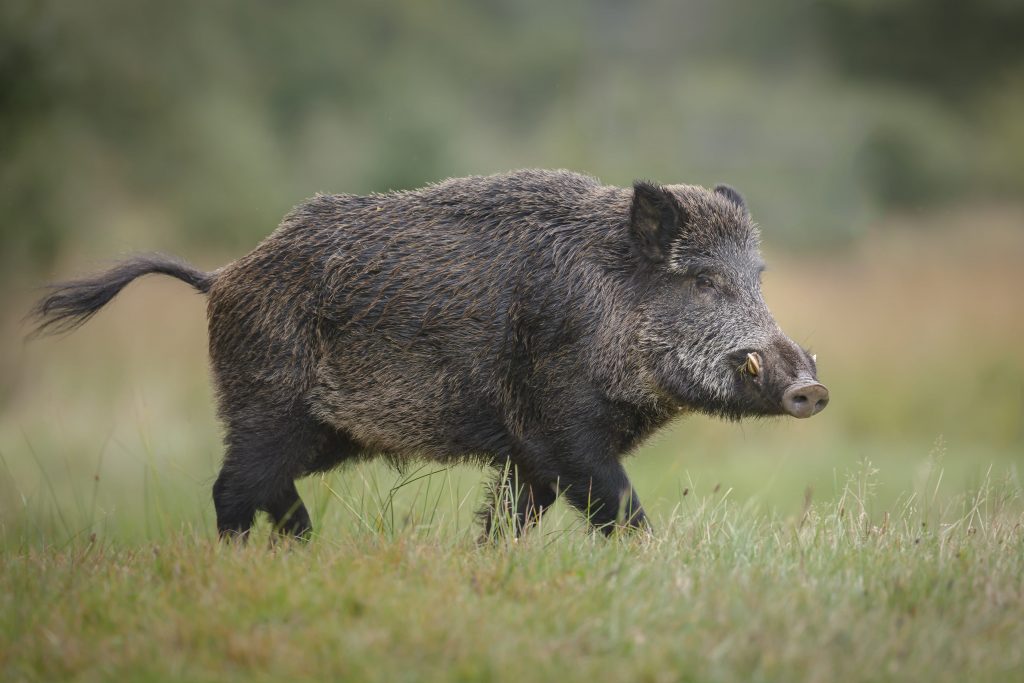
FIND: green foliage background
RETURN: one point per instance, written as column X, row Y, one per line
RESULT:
column 146, row 124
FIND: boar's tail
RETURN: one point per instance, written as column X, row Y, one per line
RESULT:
column 70, row 304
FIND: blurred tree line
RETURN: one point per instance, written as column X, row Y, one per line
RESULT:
column 137, row 124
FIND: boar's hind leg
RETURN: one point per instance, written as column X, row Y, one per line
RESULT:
column 531, row 499
column 603, row 493
column 235, row 508
column 263, row 458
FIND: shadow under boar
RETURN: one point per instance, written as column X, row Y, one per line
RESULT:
column 538, row 322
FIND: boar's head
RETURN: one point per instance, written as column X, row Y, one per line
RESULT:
column 710, row 341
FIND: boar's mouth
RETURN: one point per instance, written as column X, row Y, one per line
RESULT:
column 747, row 364
column 757, row 385
column 760, row 390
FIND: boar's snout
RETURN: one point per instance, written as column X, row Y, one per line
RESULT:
column 804, row 399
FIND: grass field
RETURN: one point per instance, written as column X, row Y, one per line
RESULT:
column 881, row 540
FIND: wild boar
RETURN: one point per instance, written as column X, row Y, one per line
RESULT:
column 538, row 322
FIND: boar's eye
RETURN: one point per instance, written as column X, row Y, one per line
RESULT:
column 704, row 283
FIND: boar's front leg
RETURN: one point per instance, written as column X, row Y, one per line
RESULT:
column 603, row 493
column 289, row 515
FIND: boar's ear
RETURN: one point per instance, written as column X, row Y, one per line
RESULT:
column 655, row 220
column 733, row 196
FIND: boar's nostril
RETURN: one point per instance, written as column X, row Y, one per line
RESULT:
column 805, row 399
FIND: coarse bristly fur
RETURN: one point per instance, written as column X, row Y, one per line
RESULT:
column 536, row 321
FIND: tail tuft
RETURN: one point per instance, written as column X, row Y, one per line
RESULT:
column 71, row 304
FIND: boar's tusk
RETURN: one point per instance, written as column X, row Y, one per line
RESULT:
column 814, row 357
column 753, row 364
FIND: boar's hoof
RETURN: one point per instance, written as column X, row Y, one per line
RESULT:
column 805, row 399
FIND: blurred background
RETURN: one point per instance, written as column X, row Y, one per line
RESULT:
column 880, row 145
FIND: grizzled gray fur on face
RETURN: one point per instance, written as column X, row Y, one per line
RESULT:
column 537, row 321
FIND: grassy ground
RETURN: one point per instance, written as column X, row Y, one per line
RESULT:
column 720, row 593
column 882, row 540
